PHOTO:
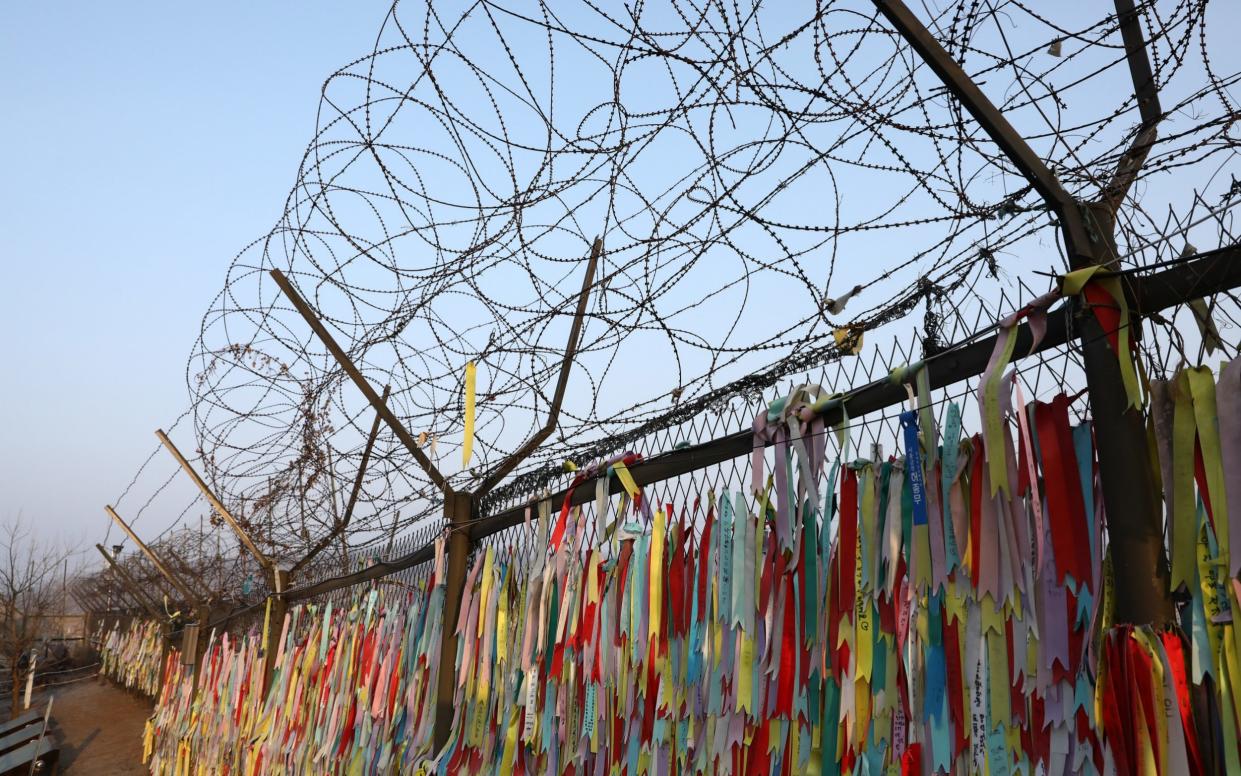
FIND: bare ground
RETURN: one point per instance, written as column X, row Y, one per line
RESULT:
column 100, row 727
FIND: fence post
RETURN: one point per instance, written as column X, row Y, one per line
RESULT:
column 1135, row 533
column 196, row 636
column 458, row 511
column 34, row 663
column 1134, row 527
column 275, row 623
column 380, row 405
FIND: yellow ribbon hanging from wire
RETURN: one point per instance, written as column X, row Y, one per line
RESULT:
column 849, row 340
column 467, row 446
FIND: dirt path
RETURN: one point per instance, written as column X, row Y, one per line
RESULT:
column 100, row 728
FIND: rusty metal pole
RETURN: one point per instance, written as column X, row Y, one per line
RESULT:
column 1143, row 593
column 459, row 507
column 458, row 511
column 512, row 461
column 279, row 576
column 201, row 637
column 275, row 624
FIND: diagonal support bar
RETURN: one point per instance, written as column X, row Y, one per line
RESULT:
column 1002, row 133
column 496, row 475
column 364, row 386
column 151, row 556
column 1144, row 86
column 1146, row 91
column 128, row 582
column 353, row 494
column 219, row 507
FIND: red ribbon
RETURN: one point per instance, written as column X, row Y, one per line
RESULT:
column 788, row 652
column 848, row 536
column 1175, row 650
column 911, row 761
column 1065, row 505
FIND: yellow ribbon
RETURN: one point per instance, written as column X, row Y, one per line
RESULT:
column 510, row 745
column 1180, row 491
column 626, row 479
column 848, row 339
column 656, row 592
column 467, row 446
column 745, row 675
column 996, row 450
column 502, row 627
column 1146, row 639
column 1229, row 704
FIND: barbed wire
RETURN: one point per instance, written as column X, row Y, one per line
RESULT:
column 773, row 184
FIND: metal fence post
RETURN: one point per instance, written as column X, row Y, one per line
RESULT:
column 275, row 623
column 458, row 511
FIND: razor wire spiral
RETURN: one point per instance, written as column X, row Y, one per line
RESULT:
column 763, row 176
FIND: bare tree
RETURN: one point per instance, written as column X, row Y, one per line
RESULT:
column 30, row 590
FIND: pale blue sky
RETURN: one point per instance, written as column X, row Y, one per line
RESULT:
column 144, row 145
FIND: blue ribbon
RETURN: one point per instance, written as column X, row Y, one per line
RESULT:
column 913, row 465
